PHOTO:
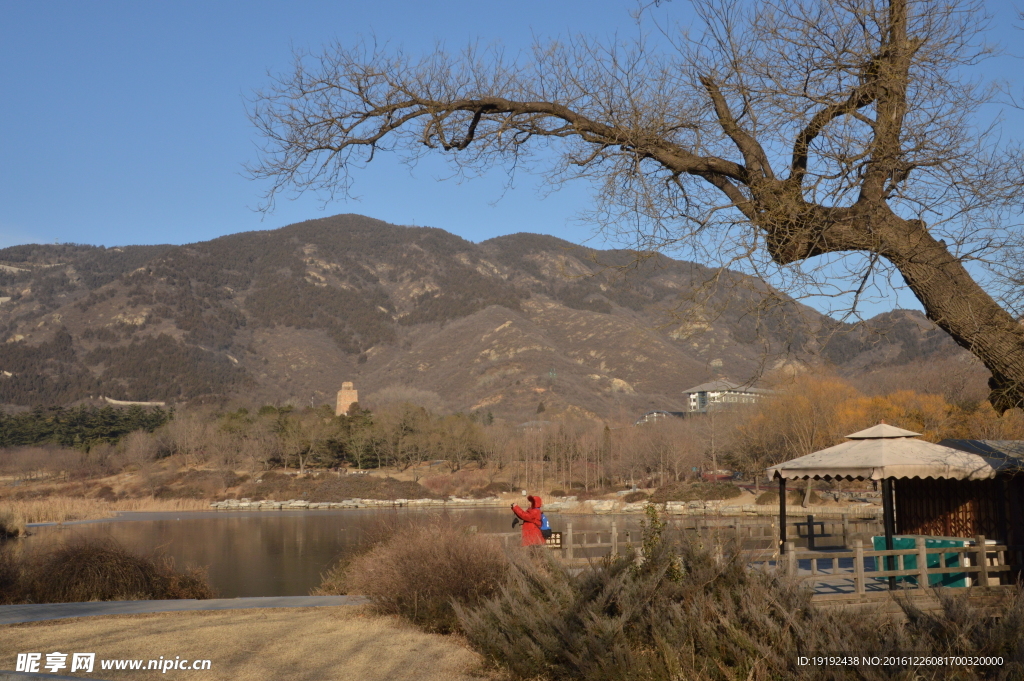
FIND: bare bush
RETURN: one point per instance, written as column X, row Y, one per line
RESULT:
column 189, row 435
column 104, row 571
column 12, row 524
column 421, row 571
column 39, row 461
column 138, row 448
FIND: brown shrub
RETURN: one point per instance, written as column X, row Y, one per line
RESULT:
column 794, row 497
column 634, row 497
column 441, row 485
column 695, row 491
column 332, row 488
column 192, row 582
column 492, row 490
column 10, row 575
column 104, row 571
column 423, row 569
column 596, row 493
column 106, row 492
column 12, row 524
column 196, row 484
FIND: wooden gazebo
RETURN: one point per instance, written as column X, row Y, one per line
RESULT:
column 927, row 489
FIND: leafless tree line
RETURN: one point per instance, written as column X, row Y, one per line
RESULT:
column 804, row 414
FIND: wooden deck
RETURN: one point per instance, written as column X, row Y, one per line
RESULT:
column 989, row 600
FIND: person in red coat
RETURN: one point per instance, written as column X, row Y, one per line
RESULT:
column 531, row 522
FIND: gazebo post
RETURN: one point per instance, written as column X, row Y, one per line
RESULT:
column 1004, row 525
column 782, row 515
column 889, row 520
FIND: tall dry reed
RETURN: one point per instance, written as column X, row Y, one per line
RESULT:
column 66, row 509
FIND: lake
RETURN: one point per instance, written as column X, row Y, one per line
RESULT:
column 275, row 553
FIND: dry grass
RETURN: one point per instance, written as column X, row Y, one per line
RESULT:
column 298, row 644
column 67, row 509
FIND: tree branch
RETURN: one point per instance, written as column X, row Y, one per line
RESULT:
column 753, row 155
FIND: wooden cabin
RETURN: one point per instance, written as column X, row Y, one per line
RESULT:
column 957, row 488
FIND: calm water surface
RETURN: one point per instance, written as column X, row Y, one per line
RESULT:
column 274, row 553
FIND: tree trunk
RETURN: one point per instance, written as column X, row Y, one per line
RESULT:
column 951, row 298
column 960, row 307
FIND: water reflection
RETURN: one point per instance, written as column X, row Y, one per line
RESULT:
column 276, row 553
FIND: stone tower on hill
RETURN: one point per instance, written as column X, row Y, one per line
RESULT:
column 347, row 396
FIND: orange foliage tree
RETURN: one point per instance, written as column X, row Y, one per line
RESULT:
column 816, row 410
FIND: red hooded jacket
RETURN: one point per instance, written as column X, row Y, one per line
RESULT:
column 531, row 522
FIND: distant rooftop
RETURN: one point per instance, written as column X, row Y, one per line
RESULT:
column 722, row 385
column 999, row 449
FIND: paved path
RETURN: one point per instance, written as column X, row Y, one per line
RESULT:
column 35, row 612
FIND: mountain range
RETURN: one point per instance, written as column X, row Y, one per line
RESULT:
column 516, row 325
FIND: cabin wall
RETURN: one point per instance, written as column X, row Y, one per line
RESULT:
column 952, row 508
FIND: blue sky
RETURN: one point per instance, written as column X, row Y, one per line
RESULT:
column 124, row 122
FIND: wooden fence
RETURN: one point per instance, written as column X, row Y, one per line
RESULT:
column 747, row 533
column 982, row 564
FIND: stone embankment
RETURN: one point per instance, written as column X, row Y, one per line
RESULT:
column 558, row 505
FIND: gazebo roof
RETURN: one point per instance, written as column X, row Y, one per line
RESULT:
column 881, row 431
column 884, row 451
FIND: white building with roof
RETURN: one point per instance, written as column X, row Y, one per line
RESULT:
column 722, row 393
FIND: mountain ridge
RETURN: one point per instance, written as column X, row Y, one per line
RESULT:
column 286, row 315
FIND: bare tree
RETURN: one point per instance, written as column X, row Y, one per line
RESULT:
column 257, row 446
column 190, row 435
column 138, row 448
column 305, row 436
column 821, row 145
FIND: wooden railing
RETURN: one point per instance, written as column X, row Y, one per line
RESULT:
column 986, row 562
column 744, row 532
column 573, row 541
